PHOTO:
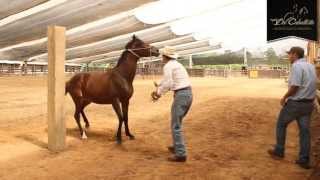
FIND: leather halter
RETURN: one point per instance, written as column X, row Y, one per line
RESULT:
column 135, row 54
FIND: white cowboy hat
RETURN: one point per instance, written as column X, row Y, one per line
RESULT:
column 169, row 51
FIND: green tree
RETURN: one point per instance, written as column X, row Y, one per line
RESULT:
column 228, row 58
column 271, row 56
column 249, row 55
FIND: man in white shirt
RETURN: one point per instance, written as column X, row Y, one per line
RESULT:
column 297, row 105
column 175, row 78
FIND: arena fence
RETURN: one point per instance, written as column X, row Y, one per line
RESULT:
column 272, row 73
column 17, row 69
column 32, row 69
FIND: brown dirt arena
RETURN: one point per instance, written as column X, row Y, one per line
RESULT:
column 228, row 131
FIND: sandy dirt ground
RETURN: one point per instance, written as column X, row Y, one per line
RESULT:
column 228, row 131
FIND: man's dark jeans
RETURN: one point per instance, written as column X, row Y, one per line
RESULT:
column 300, row 111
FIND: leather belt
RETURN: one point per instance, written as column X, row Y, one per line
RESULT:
column 304, row 100
column 185, row 88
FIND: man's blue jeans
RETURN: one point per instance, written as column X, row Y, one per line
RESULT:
column 300, row 111
column 180, row 107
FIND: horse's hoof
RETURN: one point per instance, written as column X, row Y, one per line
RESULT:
column 131, row 137
column 119, row 142
column 84, row 136
column 87, row 126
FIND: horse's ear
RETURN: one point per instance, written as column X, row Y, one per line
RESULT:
column 134, row 37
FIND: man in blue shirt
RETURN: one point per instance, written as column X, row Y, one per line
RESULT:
column 297, row 104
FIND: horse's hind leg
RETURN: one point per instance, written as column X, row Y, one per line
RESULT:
column 84, row 115
column 78, row 109
column 117, row 109
column 85, row 118
column 76, row 94
column 77, row 118
column 125, row 107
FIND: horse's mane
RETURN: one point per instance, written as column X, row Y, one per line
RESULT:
column 122, row 58
column 124, row 54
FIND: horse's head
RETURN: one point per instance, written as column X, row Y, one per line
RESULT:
column 141, row 49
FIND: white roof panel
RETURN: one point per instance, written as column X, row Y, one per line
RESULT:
column 174, row 42
column 150, row 35
column 86, row 34
column 70, row 14
column 181, row 50
column 10, row 7
column 198, row 50
column 116, row 54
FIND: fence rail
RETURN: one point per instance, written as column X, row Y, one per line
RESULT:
column 14, row 69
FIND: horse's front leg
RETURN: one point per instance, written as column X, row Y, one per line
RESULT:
column 125, row 107
column 117, row 109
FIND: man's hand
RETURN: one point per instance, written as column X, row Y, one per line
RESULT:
column 291, row 92
column 155, row 96
column 283, row 101
column 155, row 84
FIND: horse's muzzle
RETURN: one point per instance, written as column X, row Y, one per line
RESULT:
column 154, row 51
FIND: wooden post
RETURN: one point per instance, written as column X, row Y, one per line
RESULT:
column 56, row 88
column 312, row 51
column 318, row 20
column 315, row 124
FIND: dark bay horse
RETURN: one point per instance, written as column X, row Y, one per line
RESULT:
column 111, row 87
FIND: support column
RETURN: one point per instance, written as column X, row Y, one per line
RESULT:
column 87, row 67
column 25, row 67
column 312, row 51
column 190, row 62
column 318, row 20
column 56, row 88
column 245, row 59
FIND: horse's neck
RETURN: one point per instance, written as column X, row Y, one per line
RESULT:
column 128, row 67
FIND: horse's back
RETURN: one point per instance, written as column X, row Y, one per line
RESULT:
column 84, row 78
column 93, row 85
column 99, row 87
